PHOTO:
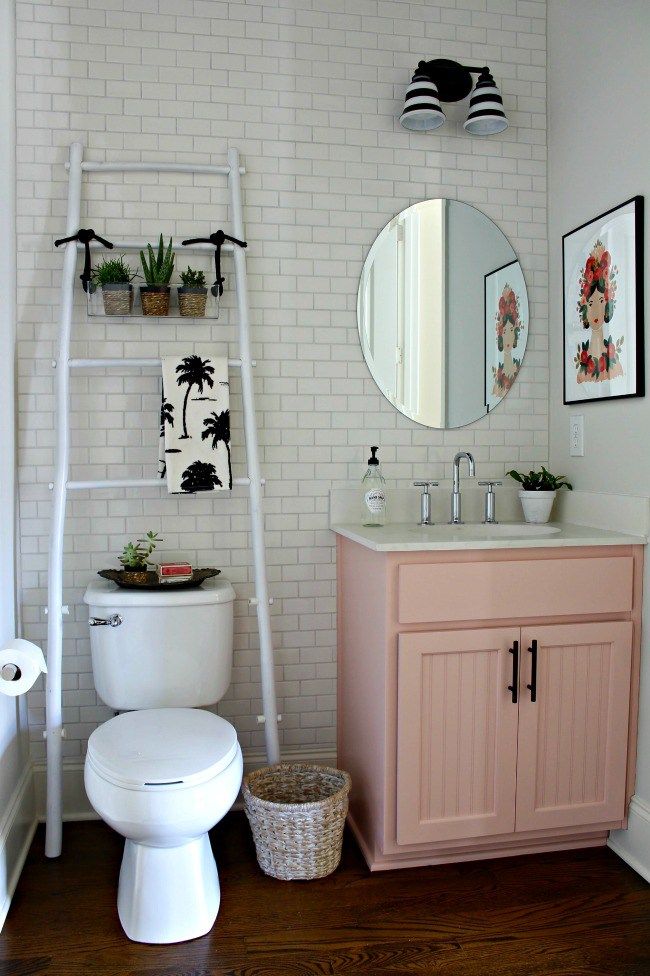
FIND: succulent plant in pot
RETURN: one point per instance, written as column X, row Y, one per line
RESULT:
column 135, row 558
column 114, row 277
column 538, row 491
column 193, row 293
column 157, row 267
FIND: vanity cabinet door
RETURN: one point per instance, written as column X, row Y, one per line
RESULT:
column 456, row 735
column 572, row 752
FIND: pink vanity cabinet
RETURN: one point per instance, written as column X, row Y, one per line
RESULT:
column 486, row 698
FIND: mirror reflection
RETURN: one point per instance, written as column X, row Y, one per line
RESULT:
column 443, row 313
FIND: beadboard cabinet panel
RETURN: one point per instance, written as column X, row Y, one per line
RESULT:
column 573, row 738
column 456, row 735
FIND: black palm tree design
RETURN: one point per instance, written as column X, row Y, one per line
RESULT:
column 200, row 476
column 195, row 372
column 166, row 415
column 217, row 426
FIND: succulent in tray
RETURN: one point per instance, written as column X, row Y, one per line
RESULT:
column 114, row 277
column 136, row 555
column 193, row 293
column 157, row 267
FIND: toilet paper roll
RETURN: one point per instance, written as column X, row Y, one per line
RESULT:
column 21, row 662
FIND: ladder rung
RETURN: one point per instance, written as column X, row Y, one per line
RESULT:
column 126, row 167
column 110, row 363
column 136, row 483
column 131, row 244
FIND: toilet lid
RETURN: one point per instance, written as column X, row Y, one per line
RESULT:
column 160, row 747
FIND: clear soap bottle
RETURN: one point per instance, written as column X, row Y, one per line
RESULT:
column 374, row 492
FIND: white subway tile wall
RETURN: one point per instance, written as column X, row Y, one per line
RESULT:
column 310, row 92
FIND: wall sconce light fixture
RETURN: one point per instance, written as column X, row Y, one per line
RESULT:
column 447, row 81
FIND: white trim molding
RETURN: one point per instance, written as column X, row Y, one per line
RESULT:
column 633, row 844
column 16, row 834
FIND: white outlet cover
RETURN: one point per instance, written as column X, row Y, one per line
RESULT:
column 577, row 435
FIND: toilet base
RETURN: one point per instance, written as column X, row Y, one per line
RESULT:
column 168, row 894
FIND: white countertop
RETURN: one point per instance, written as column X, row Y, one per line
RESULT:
column 407, row 537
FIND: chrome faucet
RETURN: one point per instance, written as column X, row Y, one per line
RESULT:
column 456, row 518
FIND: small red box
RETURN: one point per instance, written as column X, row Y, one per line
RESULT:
column 173, row 570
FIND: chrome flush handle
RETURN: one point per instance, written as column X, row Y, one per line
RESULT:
column 113, row 621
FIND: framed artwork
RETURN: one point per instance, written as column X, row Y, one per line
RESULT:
column 506, row 329
column 602, row 267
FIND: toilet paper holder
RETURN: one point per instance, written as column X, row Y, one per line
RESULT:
column 10, row 672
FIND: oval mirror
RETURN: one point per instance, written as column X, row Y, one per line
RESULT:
column 443, row 313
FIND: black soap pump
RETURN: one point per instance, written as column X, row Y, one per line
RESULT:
column 374, row 492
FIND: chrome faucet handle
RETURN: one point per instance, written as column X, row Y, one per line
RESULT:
column 489, row 517
column 425, row 500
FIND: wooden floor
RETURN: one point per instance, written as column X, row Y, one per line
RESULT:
column 582, row 913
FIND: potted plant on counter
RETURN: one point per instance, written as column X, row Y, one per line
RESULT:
column 192, row 294
column 114, row 277
column 538, row 491
column 157, row 267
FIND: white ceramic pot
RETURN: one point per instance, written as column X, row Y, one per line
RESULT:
column 537, row 505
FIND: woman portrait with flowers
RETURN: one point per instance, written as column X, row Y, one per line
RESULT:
column 598, row 358
column 508, row 329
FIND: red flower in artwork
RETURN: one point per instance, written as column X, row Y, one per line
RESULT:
column 591, row 366
column 605, row 259
column 584, row 357
column 602, row 364
column 611, row 350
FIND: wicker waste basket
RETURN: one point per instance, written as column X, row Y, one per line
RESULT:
column 297, row 814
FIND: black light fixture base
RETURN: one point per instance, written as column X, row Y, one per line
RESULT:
column 453, row 80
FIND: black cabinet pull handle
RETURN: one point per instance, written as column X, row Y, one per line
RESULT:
column 533, row 671
column 514, row 650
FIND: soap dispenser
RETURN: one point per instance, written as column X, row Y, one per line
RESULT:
column 374, row 492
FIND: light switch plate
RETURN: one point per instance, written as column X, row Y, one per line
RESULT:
column 577, row 435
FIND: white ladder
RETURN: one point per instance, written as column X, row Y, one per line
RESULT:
column 61, row 485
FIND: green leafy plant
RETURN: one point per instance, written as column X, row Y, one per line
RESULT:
column 113, row 271
column 540, row 480
column 160, row 265
column 193, row 279
column 135, row 555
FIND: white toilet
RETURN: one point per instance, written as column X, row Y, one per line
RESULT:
column 165, row 771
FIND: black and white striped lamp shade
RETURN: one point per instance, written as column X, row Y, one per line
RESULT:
column 421, row 106
column 485, row 116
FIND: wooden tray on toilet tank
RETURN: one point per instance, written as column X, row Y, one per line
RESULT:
column 148, row 580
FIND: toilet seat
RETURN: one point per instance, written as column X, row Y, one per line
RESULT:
column 162, row 748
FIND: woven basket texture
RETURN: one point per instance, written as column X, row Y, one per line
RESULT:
column 118, row 302
column 297, row 815
column 192, row 305
column 155, row 302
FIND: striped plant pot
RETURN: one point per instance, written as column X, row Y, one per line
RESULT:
column 155, row 299
column 192, row 302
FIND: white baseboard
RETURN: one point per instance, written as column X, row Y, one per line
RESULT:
column 633, row 844
column 16, row 833
column 77, row 807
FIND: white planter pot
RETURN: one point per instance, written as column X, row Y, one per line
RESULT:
column 537, row 505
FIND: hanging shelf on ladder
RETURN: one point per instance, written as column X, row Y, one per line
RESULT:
column 61, row 484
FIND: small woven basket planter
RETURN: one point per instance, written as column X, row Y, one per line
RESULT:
column 297, row 814
column 155, row 301
column 118, row 299
column 192, row 302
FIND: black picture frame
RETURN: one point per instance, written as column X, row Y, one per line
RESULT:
column 639, row 325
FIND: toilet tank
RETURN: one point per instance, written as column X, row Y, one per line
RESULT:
column 172, row 648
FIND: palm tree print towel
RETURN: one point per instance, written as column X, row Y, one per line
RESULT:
column 195, row 424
